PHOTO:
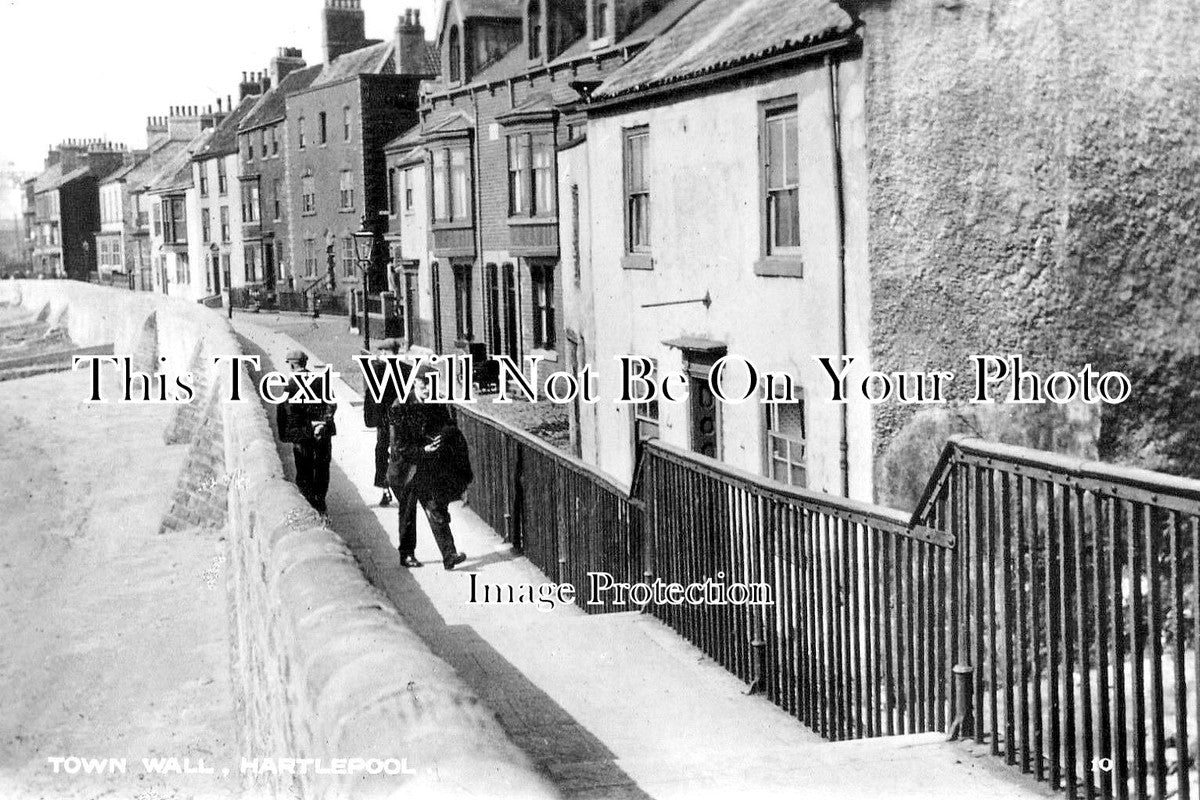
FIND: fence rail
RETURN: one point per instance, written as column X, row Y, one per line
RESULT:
column 1045, row 606
column 1078, row 612
column 567, row 517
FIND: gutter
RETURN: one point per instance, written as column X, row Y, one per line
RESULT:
column 835, row 117
column 721, row 74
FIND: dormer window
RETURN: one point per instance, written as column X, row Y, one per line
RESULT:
column 534, row 30
column 455, row 55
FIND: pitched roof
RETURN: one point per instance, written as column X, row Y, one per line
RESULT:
column 54, row 178
column 410, row 138
column 369, row 60
column 224, row 138
column 176, row 174
column 139, row 175
column 272, row 107
column 719, row 34
column 432, row 59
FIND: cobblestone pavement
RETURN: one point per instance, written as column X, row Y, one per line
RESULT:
column 616, row 706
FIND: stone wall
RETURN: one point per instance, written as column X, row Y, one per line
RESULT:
column 1034, row 181
column 324, row 666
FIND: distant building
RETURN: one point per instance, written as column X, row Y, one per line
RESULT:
column 264, row 131
column 125, row 242
column 408, row 241
column 226, row 210
column 337, row 128
column 175, row 235
column 66, row 206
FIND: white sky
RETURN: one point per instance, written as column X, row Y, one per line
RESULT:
column 84, row 69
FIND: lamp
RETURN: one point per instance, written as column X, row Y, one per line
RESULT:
column 364, row 242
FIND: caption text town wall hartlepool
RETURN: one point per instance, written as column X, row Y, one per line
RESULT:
column 732, row 379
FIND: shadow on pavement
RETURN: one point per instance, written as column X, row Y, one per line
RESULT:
column 578, row 763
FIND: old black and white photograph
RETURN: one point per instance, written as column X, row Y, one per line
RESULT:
column 600, row 399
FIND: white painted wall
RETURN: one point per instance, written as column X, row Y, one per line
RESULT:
column 705, row 227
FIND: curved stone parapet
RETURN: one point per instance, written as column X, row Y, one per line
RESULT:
column 324, row 666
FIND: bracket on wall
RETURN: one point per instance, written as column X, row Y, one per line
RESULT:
column 706, row 301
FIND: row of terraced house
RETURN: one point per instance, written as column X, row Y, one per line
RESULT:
column 681, row 180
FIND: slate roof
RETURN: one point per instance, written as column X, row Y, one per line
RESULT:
column 410, row 138
column 224, row 139
column 369, row 60
column 139, row 175
column 720, row 34
column 176, row 174
column 516, row 61
column 272, row 107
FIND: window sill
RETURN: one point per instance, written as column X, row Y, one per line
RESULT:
column 780, row 267
column 349, row 210
column 308, row 213
column 637, row 261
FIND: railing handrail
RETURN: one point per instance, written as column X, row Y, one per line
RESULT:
column 1156, row 487
column 548, row 450
column 875, row 516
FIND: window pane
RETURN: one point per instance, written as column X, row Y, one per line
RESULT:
column 775, row 154
column 439, row 187
column 458, row 184
column 791, row 150
column 785, row 224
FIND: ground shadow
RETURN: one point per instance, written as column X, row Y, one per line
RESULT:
column 578, row 763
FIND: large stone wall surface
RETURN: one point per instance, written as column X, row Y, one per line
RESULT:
column 324, row 666
column 1035, row 177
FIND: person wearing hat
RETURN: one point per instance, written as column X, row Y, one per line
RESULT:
column 309, row 427
column 375, row 413
column 426, row 467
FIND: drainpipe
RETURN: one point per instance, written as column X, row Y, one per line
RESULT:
column 477, row 214
column 835, row 115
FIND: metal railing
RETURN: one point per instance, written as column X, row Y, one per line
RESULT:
column 565, row 516
column 1045, row 606
column 1077, row 613
column 855, row 643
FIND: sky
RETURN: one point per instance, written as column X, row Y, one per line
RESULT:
column 87, row 69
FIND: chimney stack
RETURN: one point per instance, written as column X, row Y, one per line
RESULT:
column 345, row 28
column 287, row 61
column 410, row 45
column 249, row 85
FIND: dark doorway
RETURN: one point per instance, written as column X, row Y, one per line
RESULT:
column 511, row 331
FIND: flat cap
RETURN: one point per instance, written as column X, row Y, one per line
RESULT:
column 298, row 356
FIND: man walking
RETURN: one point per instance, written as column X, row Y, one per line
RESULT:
column 426, row 467
column 310, row 428
column 375, row 414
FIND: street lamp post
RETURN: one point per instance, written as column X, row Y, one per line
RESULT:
column 364, row 237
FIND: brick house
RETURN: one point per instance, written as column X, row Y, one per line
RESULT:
column 66, row 207
column 263, row 140
column 337, row 127
column 511, row 75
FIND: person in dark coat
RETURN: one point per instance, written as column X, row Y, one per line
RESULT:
column 310, row 429
column 375, row 415
column 429, row 465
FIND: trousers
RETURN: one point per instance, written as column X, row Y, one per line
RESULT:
column 383, row 439
column 437, row 511
column 313, row 457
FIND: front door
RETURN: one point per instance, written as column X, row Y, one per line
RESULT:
column 705, row 433
column 216, row 274
column 510, row 314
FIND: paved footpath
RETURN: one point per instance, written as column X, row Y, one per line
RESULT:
column 614, row 706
